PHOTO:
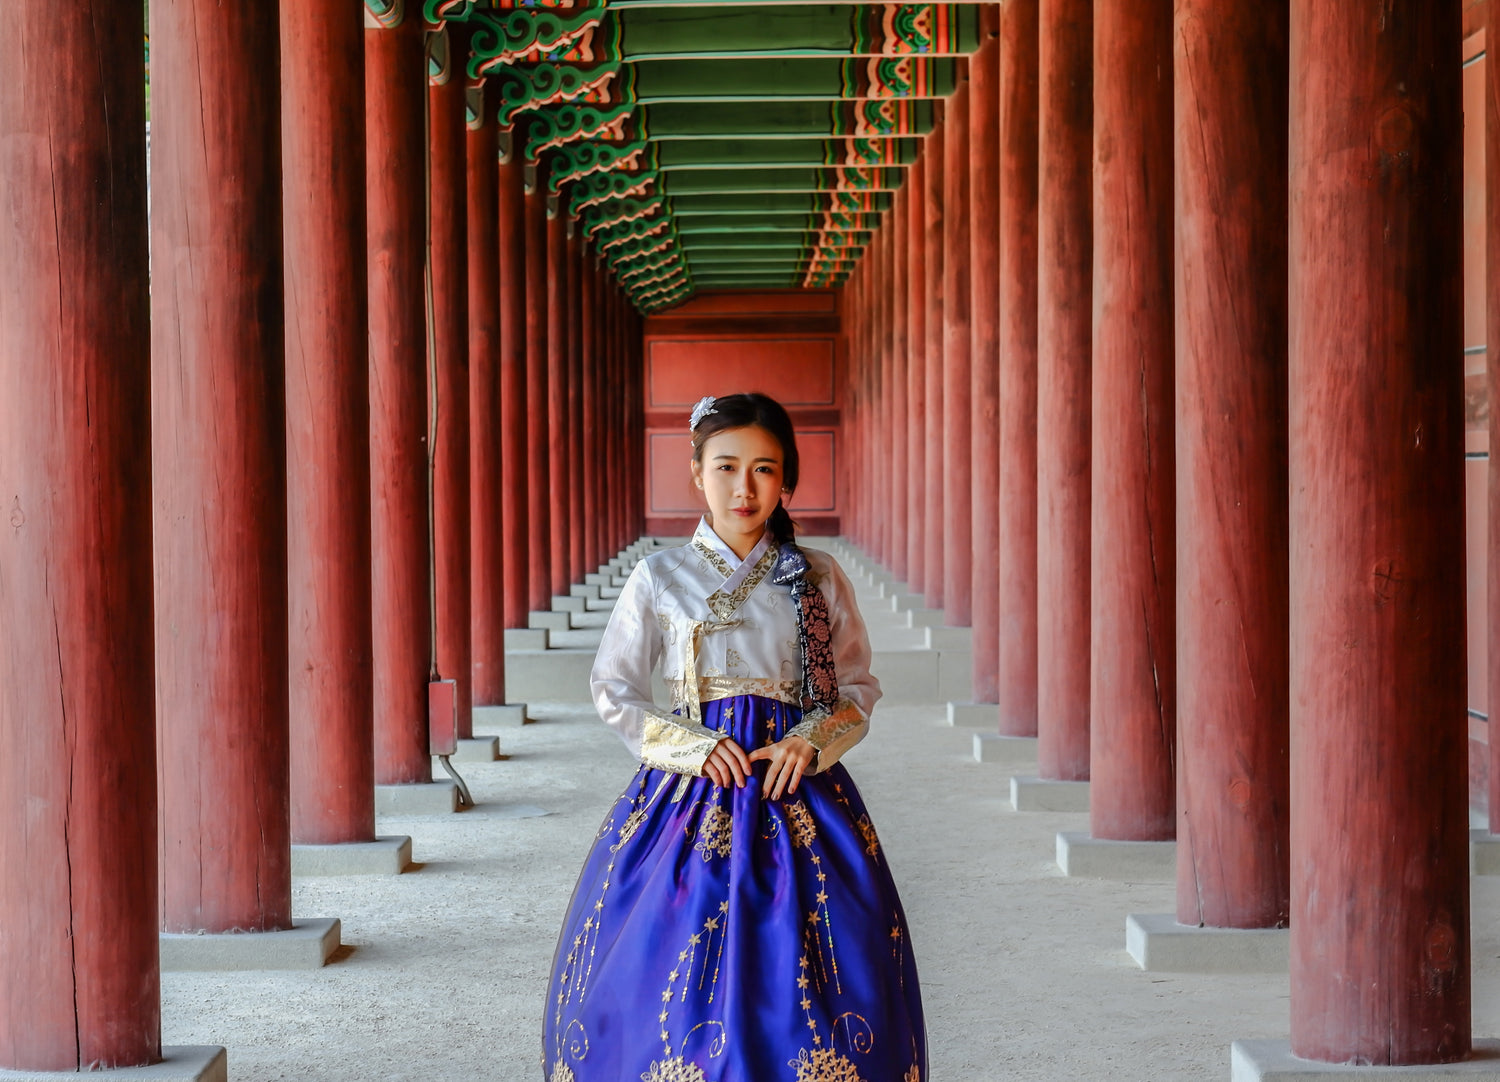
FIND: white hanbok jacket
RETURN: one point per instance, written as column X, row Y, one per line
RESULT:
column 719, row 627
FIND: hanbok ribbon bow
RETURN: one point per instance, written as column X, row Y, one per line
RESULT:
column 820, row 683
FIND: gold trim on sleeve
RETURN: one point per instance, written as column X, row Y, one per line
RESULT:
column 676, row 745
column 831, row 732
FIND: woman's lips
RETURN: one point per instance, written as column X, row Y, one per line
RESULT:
column 744, row 511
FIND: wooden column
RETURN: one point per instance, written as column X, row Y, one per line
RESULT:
column 896, row 220
column 1378, row 747
column 1492, row 360
column 916, row 375
column 958, row 467
column 576, row 428
column 218, row 468
column 560, row 435
column 1017, row 573
column 486, row 506
column 592, row 495
column 933, row 510
column 984, row 392
column 400, row 594
column 327, row 422
column 613, row 510
column 1064, row 331
column 78, row 900
column 448, row 239
column 1232, row 772
column 538, row 460
column 1133, row 664
column 514, row 450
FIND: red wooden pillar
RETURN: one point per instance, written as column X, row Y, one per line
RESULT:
column 576, row 428
column 1065, row 111
column 613, row 510
column 916, row 375
column 327, row 422
column 900, row 415
column 1134, row 658
column 886, row 415
column 1017, row 572
column 1378, row 746
column 933, row 511
column 984, row 393
column 590, row 495
column 538, row 460
column 448, row 237
column 486, row 510
column 1232, row 779
column 1492, row 358
column 635, row 417
column 560, row 435
column 958, row 469
column 78, row 900
column 218, row 468
column 515, row 474
column 400, row 594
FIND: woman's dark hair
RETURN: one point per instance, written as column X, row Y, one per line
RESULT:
column 763, row 411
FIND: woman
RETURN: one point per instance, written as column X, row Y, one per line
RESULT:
column 736, row 922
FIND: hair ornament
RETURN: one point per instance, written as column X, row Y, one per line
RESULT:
column 704, row 407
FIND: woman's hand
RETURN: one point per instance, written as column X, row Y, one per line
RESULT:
column 789, row 758
column 727, row 763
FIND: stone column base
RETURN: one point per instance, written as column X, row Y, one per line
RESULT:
column 308, row 944
column 1272, row 1061
column 994, row 748
column 383, row 856
column 179, row 1063
column 509, row 716
column 477, row 749
column 418, row 798
column 1086, row 857
column 974, row 716
column 1160, row 945
column 1028, row 794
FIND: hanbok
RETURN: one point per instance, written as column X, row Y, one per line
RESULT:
column 716, row 935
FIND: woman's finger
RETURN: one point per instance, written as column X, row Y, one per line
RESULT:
column 797, row 769
column 738, row 754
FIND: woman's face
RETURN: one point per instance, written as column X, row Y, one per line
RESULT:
column 740, row 473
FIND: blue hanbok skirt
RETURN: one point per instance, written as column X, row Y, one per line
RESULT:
column 717, row 936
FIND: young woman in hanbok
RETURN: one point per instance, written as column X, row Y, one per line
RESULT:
column 735, row 920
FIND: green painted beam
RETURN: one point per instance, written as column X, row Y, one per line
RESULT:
column 788, row 79
column 657, row 29
column 784, row 153
column 784, row 241
column 785, row 119
column 773, row 223
column 720, row 181
column 759, row 203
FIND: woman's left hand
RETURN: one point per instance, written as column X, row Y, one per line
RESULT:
column 789, row 758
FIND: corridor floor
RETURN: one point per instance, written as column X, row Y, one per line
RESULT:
column 1024, row 971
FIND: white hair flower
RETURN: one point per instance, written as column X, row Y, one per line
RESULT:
column 704, row 407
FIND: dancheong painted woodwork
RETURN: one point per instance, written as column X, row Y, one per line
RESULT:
column 714, row 145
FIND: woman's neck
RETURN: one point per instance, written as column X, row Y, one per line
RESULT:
column 742, row 545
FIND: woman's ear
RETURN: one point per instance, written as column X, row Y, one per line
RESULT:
column 697, row 471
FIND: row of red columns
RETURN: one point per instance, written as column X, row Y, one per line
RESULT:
column 328, row 401
column 1186, row 450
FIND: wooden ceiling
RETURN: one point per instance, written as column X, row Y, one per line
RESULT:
column 730, row 145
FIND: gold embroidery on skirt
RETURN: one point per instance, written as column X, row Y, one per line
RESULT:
column 803, row 829
column 714, row 833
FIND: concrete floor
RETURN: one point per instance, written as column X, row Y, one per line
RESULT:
column 1024, row 972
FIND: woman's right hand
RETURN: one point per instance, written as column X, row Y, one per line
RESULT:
column 727, row 763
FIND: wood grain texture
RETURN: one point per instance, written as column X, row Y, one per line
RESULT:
column 514, row 449
column 958, row 464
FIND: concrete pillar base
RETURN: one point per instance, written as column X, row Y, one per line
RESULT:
column 568, row 604
column 1032, row 794
column 477, row 749
column 1272, row 1061
column 994, row 748
column 1086, row 857
column 526, row 638
column 1160, row 945
column 584, row 590
column 549, row 621
column 955, row 675
column 308, row 944
column 1484, row 852
column 179, row 1063
column 509, row 716
column 383, row 856
column 950, row 638
column 974, row 715
column 422, row 798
